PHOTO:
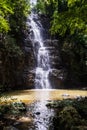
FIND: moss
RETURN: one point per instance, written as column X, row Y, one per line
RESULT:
column 12, row 108
column 69, row 117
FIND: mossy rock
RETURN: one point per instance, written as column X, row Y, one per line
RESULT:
column 12, row 108
column 81, row 107
column 68, row 119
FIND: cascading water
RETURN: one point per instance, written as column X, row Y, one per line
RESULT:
column 43, row 65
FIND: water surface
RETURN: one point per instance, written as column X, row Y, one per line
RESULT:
column 45, row 94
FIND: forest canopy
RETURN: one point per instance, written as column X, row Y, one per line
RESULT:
column 10, row 8
column 66, row 15
column 5, row 11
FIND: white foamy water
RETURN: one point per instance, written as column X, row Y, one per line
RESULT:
column 43, row 63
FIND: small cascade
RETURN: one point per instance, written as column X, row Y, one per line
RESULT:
column 42, row 54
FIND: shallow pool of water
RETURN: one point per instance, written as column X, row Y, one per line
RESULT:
column 50, row 94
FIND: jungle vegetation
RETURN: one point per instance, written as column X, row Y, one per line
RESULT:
column 68, row 23
column 13, row 16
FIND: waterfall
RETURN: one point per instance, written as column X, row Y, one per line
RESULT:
column 42, row 54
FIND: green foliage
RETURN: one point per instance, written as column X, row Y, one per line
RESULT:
column 16, row 8
column 12, row 62
column 46, row 7
column 11, row 49
column 18, row 107
column 5, row 11
column 17, row 20
column 3, row 24
column 11, row 106
column 13, row 16
column 40, row 6
column 72, row 19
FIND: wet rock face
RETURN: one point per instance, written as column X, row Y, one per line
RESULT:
column 30, row 62
column 58, row 73
column 54, row 52
column 57, row 77
column 29, row 78
column 45, row 21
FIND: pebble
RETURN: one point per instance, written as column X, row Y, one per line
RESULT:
column 65, row 95
column 37, row 113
